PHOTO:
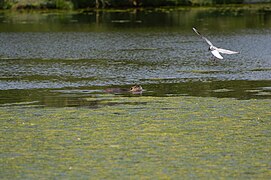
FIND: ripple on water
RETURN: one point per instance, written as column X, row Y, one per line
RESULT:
column 88, row 59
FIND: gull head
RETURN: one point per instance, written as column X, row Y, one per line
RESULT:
column 211, row 48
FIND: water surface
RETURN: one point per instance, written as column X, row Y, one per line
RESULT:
column 174, row 61
column 57, row 58
column 197, row 118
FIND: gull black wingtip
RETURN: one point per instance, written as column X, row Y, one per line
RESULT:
column 196, row 31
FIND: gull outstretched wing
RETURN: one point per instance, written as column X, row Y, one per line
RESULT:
column 216, row 54
column 196, row 31
column 225, row 51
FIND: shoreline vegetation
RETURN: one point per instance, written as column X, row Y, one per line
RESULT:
column 104, row 4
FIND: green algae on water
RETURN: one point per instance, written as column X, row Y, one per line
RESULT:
column 138, row 137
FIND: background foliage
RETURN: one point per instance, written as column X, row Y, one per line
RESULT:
column 75, row 4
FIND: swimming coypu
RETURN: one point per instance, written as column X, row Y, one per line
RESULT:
column 137, row 89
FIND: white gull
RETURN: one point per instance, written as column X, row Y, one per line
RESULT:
column 214, row 50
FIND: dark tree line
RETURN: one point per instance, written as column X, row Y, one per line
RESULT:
column 127, row 3
column 75, row 4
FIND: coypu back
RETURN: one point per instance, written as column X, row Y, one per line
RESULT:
column 116, row 90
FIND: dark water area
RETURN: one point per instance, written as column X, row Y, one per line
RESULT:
column 222, row 19
column 57, row 58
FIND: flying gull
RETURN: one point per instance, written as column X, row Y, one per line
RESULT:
column 214, row 50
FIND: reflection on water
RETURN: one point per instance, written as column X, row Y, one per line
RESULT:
column 166, row 19
column 45, row 55
column 80, row 96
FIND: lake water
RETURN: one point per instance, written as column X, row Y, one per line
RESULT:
column 197, row 118
column 67, row 55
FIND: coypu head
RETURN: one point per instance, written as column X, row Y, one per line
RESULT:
column 136, row 88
